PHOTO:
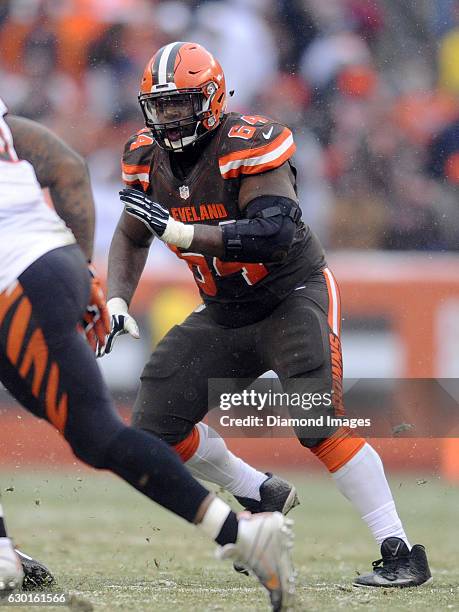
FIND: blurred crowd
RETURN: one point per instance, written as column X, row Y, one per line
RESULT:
column 370, row 88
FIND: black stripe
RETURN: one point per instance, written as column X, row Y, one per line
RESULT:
column 171, row 62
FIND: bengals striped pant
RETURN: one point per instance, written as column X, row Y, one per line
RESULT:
column 44, row 362
column 47, row 365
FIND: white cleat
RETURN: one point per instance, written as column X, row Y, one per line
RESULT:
column 264, row 544
column 11, row 574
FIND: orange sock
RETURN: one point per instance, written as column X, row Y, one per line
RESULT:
column 336, row 451
column 187, row 447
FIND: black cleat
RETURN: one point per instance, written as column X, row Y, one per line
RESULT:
column 277, row 495
column 36, row 575
column 399, row 567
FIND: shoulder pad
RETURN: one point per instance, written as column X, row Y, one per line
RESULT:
column 136, row 161
column 253, row 144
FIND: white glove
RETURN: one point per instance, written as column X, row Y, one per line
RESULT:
column 121, row 322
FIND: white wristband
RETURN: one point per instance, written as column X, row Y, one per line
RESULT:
column 216, row 514
column 178, row 234
column 117, row 306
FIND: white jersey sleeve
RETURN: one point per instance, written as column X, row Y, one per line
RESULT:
column 29, row 228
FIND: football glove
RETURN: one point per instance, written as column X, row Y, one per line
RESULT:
column 121, row 323
column 96, row 321
column 157, row 218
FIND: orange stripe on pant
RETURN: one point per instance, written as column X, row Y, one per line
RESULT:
column 334, row 302
column 36, row 355
column 187, row 447
column 337, row 373
column 7, row 299
column 334, row 323
column 18, row 329
column 337, row 450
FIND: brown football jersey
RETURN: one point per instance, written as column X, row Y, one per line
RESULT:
column 236, row 293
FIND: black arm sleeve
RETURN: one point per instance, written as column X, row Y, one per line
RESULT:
column 267, row 232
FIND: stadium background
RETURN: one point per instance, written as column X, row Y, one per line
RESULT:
column 371, row 92
column 370, row 89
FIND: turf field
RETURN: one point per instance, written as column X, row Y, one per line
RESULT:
column 114, row 550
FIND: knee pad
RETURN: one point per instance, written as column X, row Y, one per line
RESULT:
column 318, row 437
column 325, row 433
column 303, row 344
column 166, row 427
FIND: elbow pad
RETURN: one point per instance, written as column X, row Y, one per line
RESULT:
column 266, row 234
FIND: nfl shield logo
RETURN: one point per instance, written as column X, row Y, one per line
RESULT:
column 184, row 192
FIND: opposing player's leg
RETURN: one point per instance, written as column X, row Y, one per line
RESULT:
column 173, row 400
column 303, row 337
column 49, row 368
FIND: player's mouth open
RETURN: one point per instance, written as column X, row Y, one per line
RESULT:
column 173, row 135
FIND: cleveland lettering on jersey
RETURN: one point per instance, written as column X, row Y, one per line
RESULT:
column 203, row 212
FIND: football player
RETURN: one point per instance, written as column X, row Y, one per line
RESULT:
column 219, row 189
column 49, row 367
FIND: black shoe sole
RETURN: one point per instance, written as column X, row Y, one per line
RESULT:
column 392, row 586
